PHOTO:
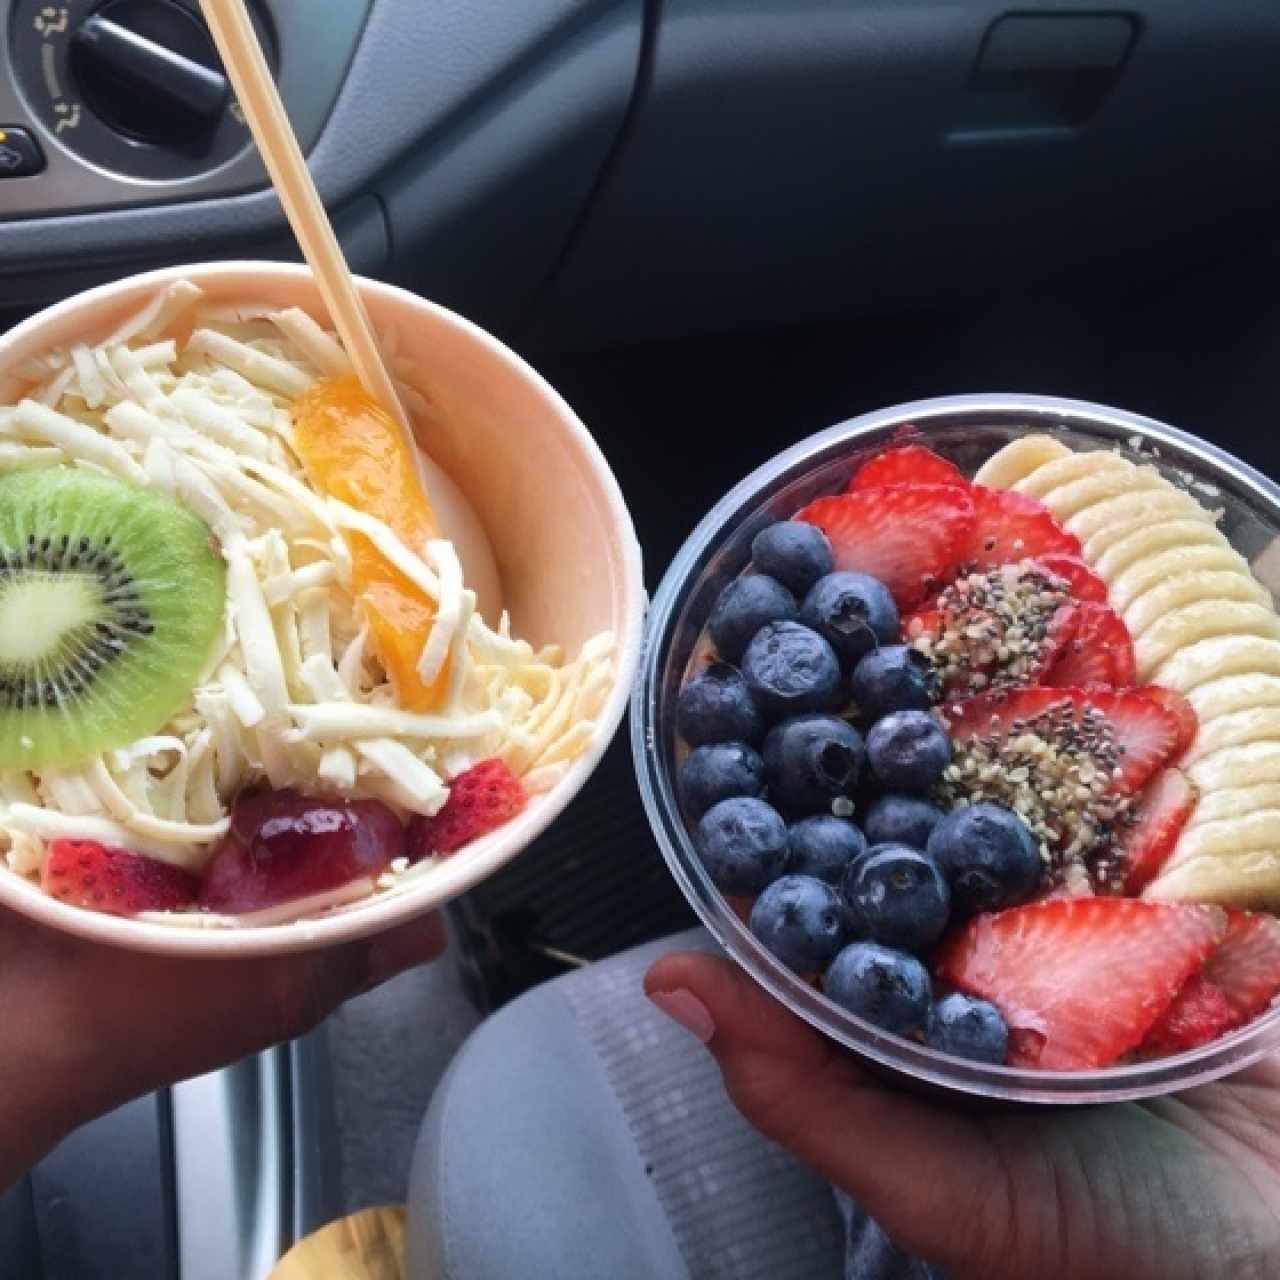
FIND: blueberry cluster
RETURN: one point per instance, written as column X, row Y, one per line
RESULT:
column 814, row 709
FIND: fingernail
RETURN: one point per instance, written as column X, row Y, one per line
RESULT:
column 685, row 1008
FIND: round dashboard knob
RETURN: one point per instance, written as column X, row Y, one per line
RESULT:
column 149, row 70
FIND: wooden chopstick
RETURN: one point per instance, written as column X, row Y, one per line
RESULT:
column 250, row 76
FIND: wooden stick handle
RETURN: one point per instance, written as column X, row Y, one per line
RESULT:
column 247, row 68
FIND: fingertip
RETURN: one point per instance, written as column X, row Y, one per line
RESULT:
column 744, row 1014
column 691, row 970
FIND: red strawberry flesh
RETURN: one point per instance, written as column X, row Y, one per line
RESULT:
column 907, row 535
column 1079, row 981
column 1068, row 760
column 1182, row 711
column 480, row 800
column 1098, row 653
column 1009, row 527
column 1199, row 1014
column 284, row 845
column 1246, row 967
column 1081, row 581
column 994, row 629
column 1161, row 813
column 1144, row 732
column 117, row 881
column 907, row 464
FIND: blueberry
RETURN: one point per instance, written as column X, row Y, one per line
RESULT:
column 894, row 677
column 823, row 846
column 854, row 611
column 899, row 819
column 743, row 844
column 969, row 1028
column 713, row 773
column 795, row 553
column 897, row 896
column 790, row 669
column 908, row 750
column 988, row 856
column 717, row 706
column 743, row 607
column 812, row 760
column 801, row 920
column 889, row 988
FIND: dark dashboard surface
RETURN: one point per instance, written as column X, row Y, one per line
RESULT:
column 595, row 171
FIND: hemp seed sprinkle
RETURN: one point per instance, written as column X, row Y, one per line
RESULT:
column 1052, row 769
column 991, row 629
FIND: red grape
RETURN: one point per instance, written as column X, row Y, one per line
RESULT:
column 284, row 845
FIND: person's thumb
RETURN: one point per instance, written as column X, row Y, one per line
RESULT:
column 905, row 1160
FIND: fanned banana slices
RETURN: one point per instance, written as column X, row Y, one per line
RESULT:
column 1203, row 625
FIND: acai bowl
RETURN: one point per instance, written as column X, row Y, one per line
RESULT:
column 1062, row 749
column 266, row 691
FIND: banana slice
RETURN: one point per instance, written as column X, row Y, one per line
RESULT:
column 1184, row 589
column 1019, row 458
column 1141, row 576
column 1075, row 466
column 1243, row 880
column 1204, row 626
column 1233, row 802
column 1069, row 499
column 1130, row 511
column 1152, row 538
column 1256, row 724
column 1228, row 837
column 1235, row 767
column 1160, row 508
column 1216, row 657
column 1245, row 692
column 1192, row 623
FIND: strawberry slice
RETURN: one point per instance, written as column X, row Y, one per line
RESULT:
column 965, row 634
column 481, row 799
column 907, row 464
column 995, row 714
column 1080, row 981
column 1182, row 711
column 1198, row 1014
column 1100, row 651
column 1246, row 967
column 1010, row 526
column 1082, row 581
column 117, row 881
column 1162, row 812
column 1144, row 732
column 907, row 535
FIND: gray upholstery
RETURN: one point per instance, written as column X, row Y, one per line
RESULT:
column 580, row 1135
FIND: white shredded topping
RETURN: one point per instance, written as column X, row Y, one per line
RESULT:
column 196, row 399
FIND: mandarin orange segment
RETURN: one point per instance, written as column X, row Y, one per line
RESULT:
column 353, row 450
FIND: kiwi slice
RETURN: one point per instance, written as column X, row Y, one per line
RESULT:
column 110, row 599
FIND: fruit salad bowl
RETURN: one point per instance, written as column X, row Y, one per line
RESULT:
column 690, row 626
column 529, row 523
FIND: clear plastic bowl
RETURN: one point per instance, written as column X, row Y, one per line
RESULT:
column 966, row 429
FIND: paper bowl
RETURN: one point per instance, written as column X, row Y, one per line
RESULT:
column 561, row 535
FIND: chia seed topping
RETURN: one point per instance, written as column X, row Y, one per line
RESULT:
column 1056, row 772
column 992, row 629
